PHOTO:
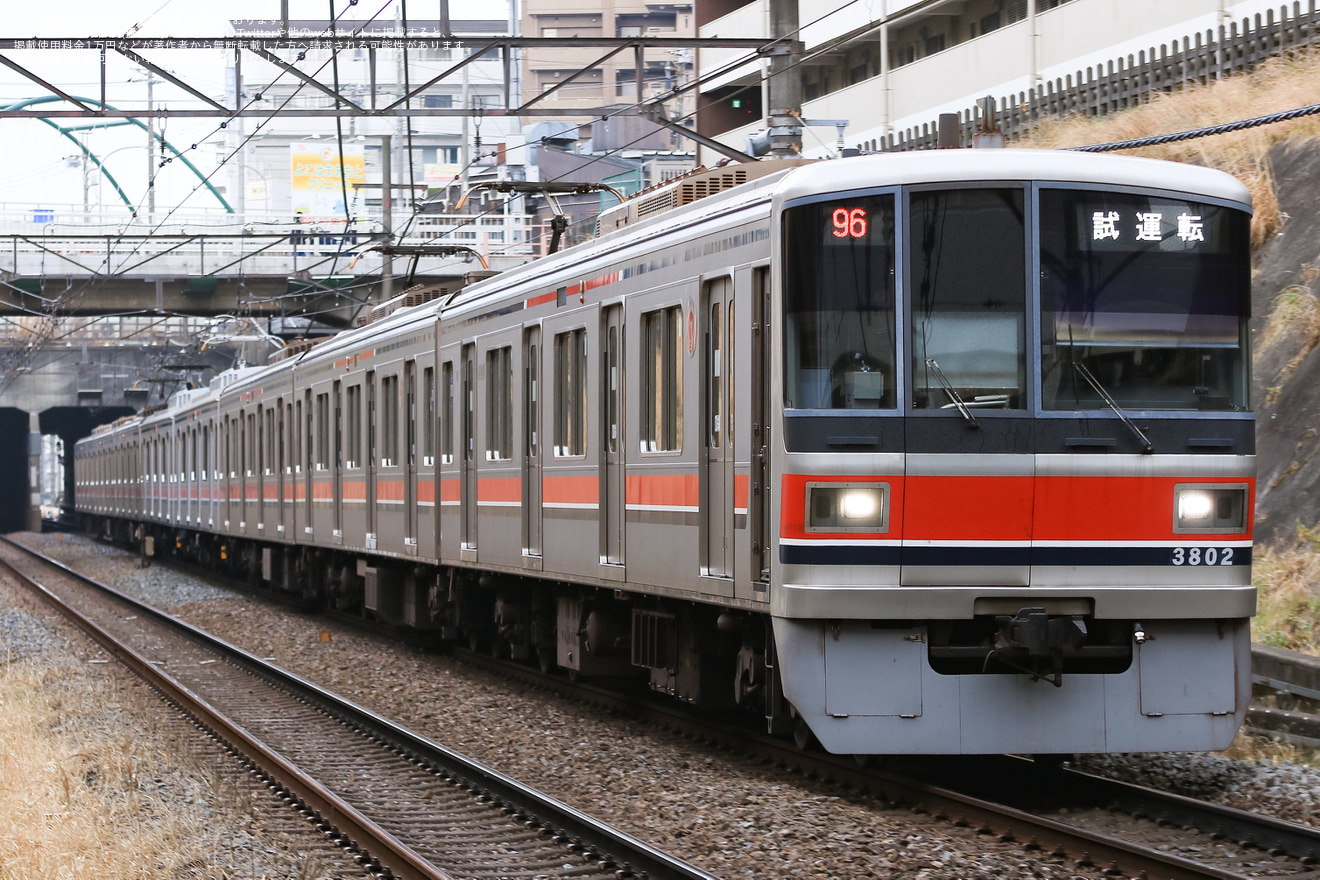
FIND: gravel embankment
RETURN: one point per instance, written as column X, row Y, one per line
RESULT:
column 197, row 804
column 733, row 817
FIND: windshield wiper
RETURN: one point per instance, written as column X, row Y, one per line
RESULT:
column 1146, row 446
column 953, row 395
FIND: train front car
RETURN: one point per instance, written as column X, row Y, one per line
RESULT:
column 1017, row 471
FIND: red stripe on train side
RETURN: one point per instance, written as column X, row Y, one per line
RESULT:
column 663, row 490
column 499, row 489
column 451, row 489
column 570, row 490
column 426, row 491
column 542, row 299
column 389, row 490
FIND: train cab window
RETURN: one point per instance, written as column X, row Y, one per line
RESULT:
column 661, row 416
column 839, row 321
column 499, row 404
column 1144, row 298
column 968, row 281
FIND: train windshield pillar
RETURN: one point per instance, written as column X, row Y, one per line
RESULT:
column 839, row 282
column 1150, row 295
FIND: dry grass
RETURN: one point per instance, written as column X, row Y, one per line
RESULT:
column 1250, row 747
column 1287, row 579
column 1294, row 319
column 1280, row 84
column 80, row 796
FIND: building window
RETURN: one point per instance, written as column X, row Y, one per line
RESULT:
column 662, row 381
column 499, row 404
column 1017, row 11
column 438, row 102
column 571, row 393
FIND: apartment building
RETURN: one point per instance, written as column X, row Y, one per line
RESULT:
column 602, row 82
column 427, row 152
column 890, row 65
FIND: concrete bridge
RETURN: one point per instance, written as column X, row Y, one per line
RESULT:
column 153, row 281
column 211, row 263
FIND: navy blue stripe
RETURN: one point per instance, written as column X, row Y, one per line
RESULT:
column 797, row 554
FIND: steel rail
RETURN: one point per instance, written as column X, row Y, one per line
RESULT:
column 1008, row 823
column 572, row 824
column 374, row 841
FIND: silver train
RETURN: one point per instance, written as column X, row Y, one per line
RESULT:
column 944, row 452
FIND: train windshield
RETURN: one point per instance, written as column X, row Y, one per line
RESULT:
column 839, row 338
column 1144, row 298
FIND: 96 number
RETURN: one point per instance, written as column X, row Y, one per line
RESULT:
column 849, row 224
column 1202, row 555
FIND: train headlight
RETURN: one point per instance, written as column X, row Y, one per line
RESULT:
column 1195, row 507
column 847, row 507
column 1207, row 508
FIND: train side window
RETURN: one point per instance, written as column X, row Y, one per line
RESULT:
column 570, row 393
column 428, row 416
column 389, row 417
column 447, row 426
column 662, row 380
column 354, row 426
column 322, row 431
column 499, row 404
column 268, row 465
column 968, row 282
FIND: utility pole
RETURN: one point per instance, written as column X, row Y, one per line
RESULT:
column 785, row 84
column 387, row 218
column 151, row 151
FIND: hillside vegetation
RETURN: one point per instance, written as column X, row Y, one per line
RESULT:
column 1280, row 164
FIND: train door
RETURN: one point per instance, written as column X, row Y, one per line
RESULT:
column 373, row 458
column 532, row 442
column 717, row 446
column 758, row 500
column 410, row 453
column 306, row 431
column 468, row 491
column 612, row 453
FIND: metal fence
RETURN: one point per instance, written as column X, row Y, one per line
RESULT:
column 1234, row 47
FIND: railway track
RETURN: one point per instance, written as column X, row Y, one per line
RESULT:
column 1102, row 825
column 403, row 805
column 1123, row 828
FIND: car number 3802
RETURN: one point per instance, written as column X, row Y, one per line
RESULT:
column 1202, row 556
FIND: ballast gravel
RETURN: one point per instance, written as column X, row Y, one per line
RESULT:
column 728, row 815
